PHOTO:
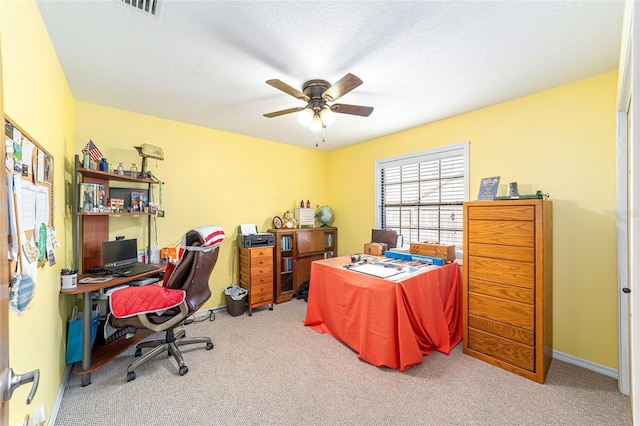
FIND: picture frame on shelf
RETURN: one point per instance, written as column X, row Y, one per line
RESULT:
column 488, row 188
column 136, row 202
column 87, row 197
column 277, row 222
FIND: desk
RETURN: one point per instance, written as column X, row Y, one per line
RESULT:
column 391, row 324
column 104, row 354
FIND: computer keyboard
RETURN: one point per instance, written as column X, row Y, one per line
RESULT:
column 121, row 332
column 144, row 281
column 98, row 271
column 120, row 272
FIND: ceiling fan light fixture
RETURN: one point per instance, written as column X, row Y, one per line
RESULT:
column 327, row 116
column 316, row 124
column 306, row 116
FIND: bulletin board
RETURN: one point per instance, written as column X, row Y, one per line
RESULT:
column 31, row 197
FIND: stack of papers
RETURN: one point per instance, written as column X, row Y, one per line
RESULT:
column 378, row 271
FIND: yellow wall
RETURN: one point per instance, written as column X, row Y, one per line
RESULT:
column 211, row 177
column 561, row 141
column 37, row 98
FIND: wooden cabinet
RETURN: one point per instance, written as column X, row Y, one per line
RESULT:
column 256, row 275
column 294, row 251
column 507, row 284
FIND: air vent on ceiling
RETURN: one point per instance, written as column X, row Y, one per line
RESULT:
column 150, row 7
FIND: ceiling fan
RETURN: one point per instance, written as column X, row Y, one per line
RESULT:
column 318, row 93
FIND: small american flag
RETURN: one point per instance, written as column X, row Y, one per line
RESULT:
column 93, row 151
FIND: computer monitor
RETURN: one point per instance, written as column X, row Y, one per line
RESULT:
column 119, row 252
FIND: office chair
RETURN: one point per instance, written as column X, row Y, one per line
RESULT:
column 165, row 308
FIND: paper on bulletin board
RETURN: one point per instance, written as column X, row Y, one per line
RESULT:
column 13, row 230
column 42, row 204
column 26, row 204
column 39, row 172
column 27, row 155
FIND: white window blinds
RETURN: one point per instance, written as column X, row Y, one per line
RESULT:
column 420, row 195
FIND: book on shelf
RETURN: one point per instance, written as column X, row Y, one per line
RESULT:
column 328, row 240
column 139, row 200
column 88, row 196
column 286, row 264
column 101, row 199
column 285, row 242
column 116, row 204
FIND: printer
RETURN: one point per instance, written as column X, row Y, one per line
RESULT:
column 248, row 236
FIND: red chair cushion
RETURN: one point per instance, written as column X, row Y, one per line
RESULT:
column 167, row 272
column 132, row 301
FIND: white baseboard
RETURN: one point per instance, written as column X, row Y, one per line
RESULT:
column 607, row 371
column 58, row 401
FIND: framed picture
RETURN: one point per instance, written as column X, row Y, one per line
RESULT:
column 87, row 197
column 277, row 222
column 488, row 188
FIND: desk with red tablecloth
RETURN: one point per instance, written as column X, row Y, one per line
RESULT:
column 388, row 323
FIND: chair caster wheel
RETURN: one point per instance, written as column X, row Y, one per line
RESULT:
column 138, row 353
column 183, row 370
column 209, row 346
column 131, row 375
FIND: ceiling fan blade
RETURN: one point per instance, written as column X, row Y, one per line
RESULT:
column 283, row 112
column 363, row 111
column 287, row 89
column 342, row 87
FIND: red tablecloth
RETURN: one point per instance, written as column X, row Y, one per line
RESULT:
column 392, row 324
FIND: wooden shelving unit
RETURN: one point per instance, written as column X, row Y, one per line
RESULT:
column 295, row 250
column 90, row 230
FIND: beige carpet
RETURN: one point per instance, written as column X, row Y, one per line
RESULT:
column 269, row 369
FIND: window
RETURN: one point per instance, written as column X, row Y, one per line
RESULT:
column 420, row 194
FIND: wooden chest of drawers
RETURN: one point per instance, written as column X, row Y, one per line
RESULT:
column 256, row 275
column 507, row 284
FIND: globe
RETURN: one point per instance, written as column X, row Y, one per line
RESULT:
column 325, row 215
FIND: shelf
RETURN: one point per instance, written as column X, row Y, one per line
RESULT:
column 103, row 355
column 115, row 214
column 97, row 174
column 115, row 281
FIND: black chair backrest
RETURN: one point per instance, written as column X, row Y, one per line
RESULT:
column 385, row 236
column 192, row 272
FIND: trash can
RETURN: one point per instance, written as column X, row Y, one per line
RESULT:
column 236, row 297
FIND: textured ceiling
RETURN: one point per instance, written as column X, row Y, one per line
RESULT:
column 206, row 62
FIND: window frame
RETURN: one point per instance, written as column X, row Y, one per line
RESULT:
column 461, row 148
